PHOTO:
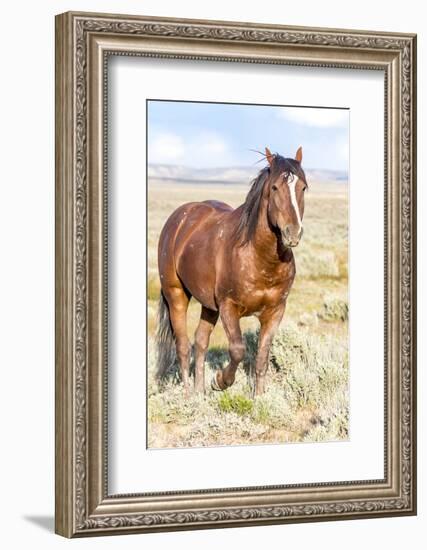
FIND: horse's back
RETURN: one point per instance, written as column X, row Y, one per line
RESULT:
column 188, row 217
column 218, row 206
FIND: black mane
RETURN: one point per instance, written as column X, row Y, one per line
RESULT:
column 249, row 218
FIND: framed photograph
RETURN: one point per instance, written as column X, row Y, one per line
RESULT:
column 235, row 274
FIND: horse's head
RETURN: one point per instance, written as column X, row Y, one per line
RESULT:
column 286, row 186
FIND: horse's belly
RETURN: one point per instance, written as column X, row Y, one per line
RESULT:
column 197, row 272
column 195, row 265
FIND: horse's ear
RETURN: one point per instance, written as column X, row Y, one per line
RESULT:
column 298, row 154
column 269, row 156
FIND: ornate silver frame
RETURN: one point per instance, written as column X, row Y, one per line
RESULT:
column 83, row 42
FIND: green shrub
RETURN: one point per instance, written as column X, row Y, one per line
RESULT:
column 240, row 404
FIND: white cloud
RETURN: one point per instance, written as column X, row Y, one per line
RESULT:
column 166, row 148
column 204, row 149
column 325, row 118
column 211, row 144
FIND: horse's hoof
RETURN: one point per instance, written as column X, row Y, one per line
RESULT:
column 214, row 383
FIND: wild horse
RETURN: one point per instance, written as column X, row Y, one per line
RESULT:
column 236, row 263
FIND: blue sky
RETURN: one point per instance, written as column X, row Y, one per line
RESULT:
column 210, row 135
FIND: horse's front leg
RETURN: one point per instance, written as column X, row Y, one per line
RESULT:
column 270, row 320
column 230, row 319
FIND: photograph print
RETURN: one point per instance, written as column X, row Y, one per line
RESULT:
column 247, row 274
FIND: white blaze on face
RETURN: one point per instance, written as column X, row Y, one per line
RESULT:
column 292, row 186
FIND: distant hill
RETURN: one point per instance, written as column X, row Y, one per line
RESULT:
column 232, row 175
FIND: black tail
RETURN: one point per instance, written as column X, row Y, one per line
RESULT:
column 165, row 340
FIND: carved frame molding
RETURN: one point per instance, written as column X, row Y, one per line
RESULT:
column 83, row 43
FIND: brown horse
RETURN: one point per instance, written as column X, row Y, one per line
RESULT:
column 236, row 263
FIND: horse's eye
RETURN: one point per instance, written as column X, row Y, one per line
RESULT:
column 274, row 187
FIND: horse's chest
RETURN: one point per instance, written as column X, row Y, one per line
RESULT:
column 258, row 295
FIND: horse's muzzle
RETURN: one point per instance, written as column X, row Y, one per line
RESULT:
column 291, row 237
